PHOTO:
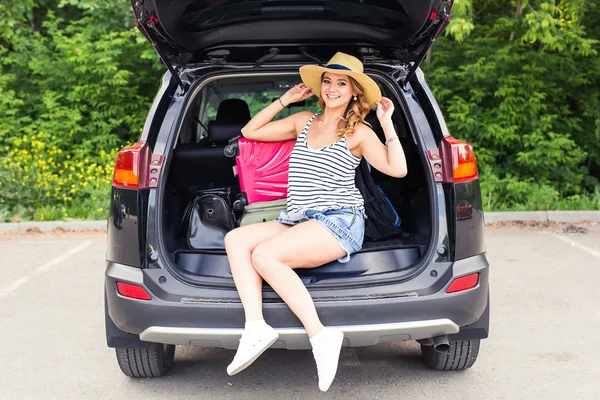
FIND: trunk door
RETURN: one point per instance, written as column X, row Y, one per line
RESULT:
column 183, row 30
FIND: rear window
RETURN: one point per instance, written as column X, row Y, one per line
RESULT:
column 209, row 14
column 257, row 93
column 257, row 101
column 257, row 96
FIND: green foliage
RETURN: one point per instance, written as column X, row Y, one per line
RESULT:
column 42, row 182
column 81, row 73
column 462, row 23
column 522, row 87
column 519, row 79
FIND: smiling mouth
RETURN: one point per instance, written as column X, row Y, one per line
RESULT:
column 332, row 97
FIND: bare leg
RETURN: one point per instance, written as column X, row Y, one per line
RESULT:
column 306, row 245
column 239, row 244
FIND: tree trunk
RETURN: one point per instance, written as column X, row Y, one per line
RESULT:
column 428, row 58
column 518, row 12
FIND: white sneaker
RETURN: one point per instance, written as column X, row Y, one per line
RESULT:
column 327, row 346
column 255, row 340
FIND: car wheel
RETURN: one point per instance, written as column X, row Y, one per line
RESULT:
column 461, row 355
column 146, row 363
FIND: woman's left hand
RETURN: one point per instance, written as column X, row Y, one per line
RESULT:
column 385, row 109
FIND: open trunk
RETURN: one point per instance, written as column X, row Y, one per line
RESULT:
column 188, row 28
column 198, row 162
column 185, row 32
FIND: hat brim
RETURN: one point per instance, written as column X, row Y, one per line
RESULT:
column 311, row 76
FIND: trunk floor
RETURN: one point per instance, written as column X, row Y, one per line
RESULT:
column 395, row 254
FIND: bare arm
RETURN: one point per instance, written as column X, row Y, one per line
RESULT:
column 388, row 159
column 262, row 127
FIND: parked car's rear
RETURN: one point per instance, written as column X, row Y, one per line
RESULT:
column 226, row 62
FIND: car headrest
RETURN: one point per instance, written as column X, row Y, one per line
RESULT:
column 233, row 110
column 221, row 132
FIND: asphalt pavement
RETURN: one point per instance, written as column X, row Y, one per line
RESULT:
column 545, row 324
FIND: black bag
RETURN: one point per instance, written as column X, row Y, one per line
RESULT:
column 382, row 220
column 207, row 219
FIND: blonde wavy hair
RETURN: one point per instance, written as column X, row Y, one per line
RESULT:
column 355, row 113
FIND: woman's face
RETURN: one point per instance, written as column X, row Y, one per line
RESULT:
column 336, row 90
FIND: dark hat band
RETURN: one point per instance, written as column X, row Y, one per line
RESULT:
column 337, row 66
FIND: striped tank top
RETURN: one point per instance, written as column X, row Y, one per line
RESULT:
column 322, row 179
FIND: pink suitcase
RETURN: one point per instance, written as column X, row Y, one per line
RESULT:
column 262, row 168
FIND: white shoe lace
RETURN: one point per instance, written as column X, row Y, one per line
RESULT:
column 321, row 360
column 247, row 345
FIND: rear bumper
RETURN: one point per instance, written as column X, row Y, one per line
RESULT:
column 297, row 339
column 169, row 318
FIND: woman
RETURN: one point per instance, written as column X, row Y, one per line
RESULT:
column 324, row 220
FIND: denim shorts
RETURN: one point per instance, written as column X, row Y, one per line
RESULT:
column 346, row 224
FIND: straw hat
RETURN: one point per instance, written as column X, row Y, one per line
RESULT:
column 345, row 64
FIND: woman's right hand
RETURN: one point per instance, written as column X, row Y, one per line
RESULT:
column 298, row 93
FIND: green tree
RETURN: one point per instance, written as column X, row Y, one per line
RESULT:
column 79, row 73
column 519, row 80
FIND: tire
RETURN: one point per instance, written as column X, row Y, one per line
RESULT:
column 462, row 355
column 146, row 363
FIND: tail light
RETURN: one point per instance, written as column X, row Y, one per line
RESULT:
column 463, row 283
column 464, row 165
column 132, row 291
column 458, row 161
column 131, row 167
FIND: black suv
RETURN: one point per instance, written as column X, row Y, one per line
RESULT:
column 227, row 60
